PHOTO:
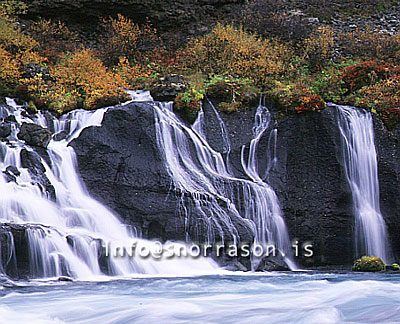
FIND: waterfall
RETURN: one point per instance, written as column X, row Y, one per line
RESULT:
column 272, row 218
column 361, row 169
column 199, row 171
column 67, row 235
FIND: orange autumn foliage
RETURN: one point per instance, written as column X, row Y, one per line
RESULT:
column 232, row 51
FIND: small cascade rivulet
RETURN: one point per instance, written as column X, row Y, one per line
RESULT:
column 66, row 235
column 202, row 173
column 361, row 169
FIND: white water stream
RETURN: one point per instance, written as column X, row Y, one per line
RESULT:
column 66, row 236
column 361, row 168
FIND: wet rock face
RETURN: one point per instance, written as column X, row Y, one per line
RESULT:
column 31, row 161
column 312, row 189
column 14, row 250
column 308, row 178
column 310, row 182
column 388, row 149
column 123, row 168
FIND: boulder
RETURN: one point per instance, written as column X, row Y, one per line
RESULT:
column 11, row 173
column 62, row 135
column 32, row 70
column 34, row 135
column 368, row 264
column 272, row 263
column 392, row 267
column 167, row 88
column 13, row 170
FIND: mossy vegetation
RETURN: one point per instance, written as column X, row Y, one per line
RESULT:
column 369, row 264
column 392, row 267
column 50, row 67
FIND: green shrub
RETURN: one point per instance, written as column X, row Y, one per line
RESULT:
column 188, row 104
column 319, row 47
column 295, row 97
column 232, row 94
column 393, row 267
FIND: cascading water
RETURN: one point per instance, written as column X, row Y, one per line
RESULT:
column 360, row 165
column 273, row 222
column 201, row 172
column 66, row 236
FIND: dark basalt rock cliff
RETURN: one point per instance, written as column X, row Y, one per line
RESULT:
column 310, row 183
column 163, row 14
column 14, row 250
column 122, row 167
column 388, row 148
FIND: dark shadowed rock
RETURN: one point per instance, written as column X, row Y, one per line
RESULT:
column 10, row 119
column 272, row 263
column 311, row 186
column 11, row 173
column 62, row 135
column 12, row 169
column 5, row 130
column 14, row 250
column 166, row 15
column 122, row 167
column 31, row 161
column 388, row 150
column 34, row 135
column 65, row 278
column 32, row 70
